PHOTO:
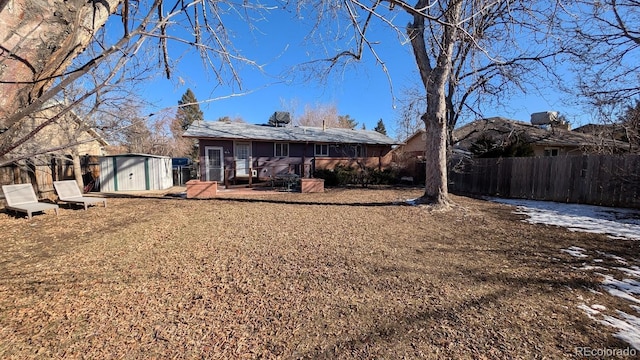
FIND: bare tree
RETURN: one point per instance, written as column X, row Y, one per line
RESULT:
column 630, row 125
column 618, row 129
column 485, row 73
column 411, row 107
column 318, row 116
column 324, row 115
column 40, row 43
column 437, row 31
column 484, row 76
column 606, row 50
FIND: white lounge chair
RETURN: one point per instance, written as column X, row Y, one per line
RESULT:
column 68, row 191
column 22, row 198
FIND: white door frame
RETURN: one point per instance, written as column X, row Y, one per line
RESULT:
column 207, row 168
column 242, row 167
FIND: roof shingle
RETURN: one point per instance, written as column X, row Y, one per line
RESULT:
column 243, row 131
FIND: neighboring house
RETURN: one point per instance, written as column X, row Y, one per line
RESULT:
column 611, row 131
column 499, row 132
column 408, row 157
column 543, row 140
column 623, row 136
column 68, row 135
column 53, row 152
column 242, row 150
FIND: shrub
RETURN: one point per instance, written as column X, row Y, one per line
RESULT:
column 344, row 175
column 330, row 178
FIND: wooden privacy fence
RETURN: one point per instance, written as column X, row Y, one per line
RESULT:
column 43, row 170
column 608, row 180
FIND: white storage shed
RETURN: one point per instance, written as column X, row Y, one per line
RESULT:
column 132, row 172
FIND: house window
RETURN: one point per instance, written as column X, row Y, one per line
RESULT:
column 551, row 152
column 322, row 150
column 357, row 151
column 281, row 149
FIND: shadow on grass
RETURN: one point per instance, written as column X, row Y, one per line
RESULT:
column 409, row 326
column 293, row 202
column 237, row 198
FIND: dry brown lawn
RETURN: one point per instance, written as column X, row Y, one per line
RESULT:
column 344, row 274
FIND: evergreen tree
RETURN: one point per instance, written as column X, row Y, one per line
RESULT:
column 188, row 110
column 380, row 128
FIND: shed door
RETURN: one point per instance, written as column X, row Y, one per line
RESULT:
column 131, row 173
column 213, row 164
column 243, row 159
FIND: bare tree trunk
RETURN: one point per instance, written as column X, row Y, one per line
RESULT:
column 435, row 77
column 77, row 171
column 39, row 41
column 436, row 191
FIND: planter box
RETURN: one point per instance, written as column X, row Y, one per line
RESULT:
column 197, row 189
column 311, row 185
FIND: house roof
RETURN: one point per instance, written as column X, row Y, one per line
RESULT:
column 413, row 136
column 243, row 131
column 611, row 131
column 51, row 103
column 500, row 127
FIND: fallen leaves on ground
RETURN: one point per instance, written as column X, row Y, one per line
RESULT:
column 344, row 274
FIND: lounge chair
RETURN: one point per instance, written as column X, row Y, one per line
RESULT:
column 69, row 192
column 22, row 198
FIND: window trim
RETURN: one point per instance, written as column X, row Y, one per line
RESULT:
column 280, row 145
column 549, row 151
column 321, row 153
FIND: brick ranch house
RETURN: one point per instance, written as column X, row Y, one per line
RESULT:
column 231, row 150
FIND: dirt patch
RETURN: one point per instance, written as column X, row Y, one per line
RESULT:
column 344, row 274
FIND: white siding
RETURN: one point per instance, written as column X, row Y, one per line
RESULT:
column 135, row 173
column 106, row 174
column 131, row 174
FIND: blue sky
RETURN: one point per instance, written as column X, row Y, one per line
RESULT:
column 361, row 90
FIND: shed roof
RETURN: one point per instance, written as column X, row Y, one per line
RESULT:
column 243, row 131
column 137, row 155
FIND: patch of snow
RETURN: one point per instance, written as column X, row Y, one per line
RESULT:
column 614, row 257
column 628, row 327
column 591, row 267
column 617, row 223
column 589, row 311
column 575, row 251
column 628, row 286
column 634, row 271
